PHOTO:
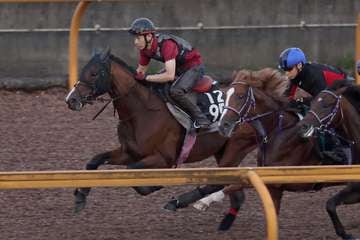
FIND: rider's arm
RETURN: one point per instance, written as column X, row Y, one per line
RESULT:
column 169, row 52
column 142, row 69
column 168, row 75
column 143, row 65
column 290, row 91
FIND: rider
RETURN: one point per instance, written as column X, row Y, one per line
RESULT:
column 183, row 65
column 313, row 78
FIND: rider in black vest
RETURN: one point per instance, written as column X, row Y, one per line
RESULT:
column 183, row 65
column 313, row 78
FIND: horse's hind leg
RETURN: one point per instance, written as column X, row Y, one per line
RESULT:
column 349, row 195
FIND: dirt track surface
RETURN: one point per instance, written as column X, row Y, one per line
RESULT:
column 38, row 132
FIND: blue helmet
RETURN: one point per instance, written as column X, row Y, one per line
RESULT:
column 291, row 57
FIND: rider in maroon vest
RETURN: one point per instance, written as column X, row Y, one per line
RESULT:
column 311, row 77
column 183, row 65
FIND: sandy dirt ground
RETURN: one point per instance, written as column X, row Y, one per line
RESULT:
column 38, row 132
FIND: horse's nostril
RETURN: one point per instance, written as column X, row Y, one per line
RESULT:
column 226, row 125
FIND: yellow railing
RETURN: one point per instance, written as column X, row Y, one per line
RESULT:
column 247, row 176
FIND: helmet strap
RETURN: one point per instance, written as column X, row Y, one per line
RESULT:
column 147, row 43
column 299, row 67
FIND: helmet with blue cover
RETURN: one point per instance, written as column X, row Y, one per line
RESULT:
column 291, row 57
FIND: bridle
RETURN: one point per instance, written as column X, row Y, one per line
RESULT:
column 89, row 98
column 328, row 119
column 249, row 103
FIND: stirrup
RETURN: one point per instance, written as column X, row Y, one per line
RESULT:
column 196, row 126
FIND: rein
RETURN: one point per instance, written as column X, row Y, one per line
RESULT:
column 106, row 104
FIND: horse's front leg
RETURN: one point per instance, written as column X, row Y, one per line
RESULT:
column 152, row 161
column 276, row 194
column 349, row 195
column 117, row 156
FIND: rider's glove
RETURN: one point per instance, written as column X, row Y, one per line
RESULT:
column 140, row 76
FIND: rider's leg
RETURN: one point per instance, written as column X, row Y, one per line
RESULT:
column 180, row 91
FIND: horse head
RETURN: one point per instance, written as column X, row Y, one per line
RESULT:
column 325, row 110
column 94, row 80
column 265, row 87
column 239, row 101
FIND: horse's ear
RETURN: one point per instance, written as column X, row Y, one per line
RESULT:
column 95, row 51
column 105, row 54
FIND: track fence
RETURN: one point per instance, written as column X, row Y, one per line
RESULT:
column 257, row 177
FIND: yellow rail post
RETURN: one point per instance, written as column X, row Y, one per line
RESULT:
column 357, row 47
column 73, row 42
column 268, row 204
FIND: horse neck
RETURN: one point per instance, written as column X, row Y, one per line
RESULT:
column 133, row 98
column 266, row 103
column 350, row 124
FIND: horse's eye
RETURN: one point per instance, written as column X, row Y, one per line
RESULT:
column 94, row 74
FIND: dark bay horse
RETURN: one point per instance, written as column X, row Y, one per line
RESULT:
column 282, row 145
column 338, row 108
column 150, row 136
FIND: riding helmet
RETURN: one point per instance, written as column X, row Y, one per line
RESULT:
column 142, row 26
column 291, row 57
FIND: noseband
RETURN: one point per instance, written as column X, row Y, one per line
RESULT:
column 89, row 98
column 248, row 104
column 328, row 119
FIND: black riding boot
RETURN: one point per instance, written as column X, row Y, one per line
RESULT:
column 199, row 118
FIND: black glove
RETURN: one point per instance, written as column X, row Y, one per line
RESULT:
column 293, row 104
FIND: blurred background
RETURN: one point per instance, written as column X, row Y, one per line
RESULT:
column 230, row 34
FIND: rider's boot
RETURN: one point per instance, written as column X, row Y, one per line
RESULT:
column 199, row 118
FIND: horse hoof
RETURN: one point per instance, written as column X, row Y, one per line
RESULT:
column 171, row 205
column 80, row 202
column 78, row 207
column 349, row 237
column 201, row 206
column 227, row 222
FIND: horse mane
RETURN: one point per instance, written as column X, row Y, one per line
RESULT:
column 268, row 80
column 131, row 69
column 351, row 93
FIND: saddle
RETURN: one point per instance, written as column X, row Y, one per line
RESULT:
column 207, row 95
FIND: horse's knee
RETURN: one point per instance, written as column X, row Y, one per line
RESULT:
column 331, row 205
column 98, row 160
